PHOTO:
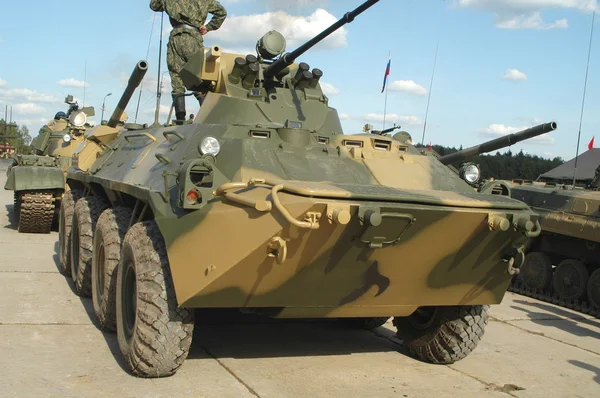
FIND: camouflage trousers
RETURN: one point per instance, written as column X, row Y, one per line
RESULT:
column 183, row 44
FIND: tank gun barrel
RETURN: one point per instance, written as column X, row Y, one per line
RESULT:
column 499, row 143
column 134, row 81
column 289, row 58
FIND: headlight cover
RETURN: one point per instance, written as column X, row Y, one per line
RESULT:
column 67, row 138
column 78, row 119
column 210, row 146
column 470, row 173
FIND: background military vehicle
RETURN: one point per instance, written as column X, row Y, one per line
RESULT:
column 562, row 265
column 264, row 204
column 38, row 180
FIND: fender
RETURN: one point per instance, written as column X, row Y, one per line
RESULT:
column 23, row 178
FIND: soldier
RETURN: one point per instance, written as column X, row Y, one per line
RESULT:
column 188, row 19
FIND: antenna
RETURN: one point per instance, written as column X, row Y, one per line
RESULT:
column 430, row 89
column 147, row 54
column 84, row 80
column 583, row 102
column 159, row 82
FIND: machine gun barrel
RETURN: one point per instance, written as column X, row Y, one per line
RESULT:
column 386, row 131
column 134, row 81
column 498, row 143
column 289, row 58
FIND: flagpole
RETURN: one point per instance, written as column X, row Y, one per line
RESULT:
column 386, row 96
column 583, row 102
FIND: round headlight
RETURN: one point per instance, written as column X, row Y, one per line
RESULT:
column 78, row 118
column 210, row 146
column 470, row 173
column 67, row 138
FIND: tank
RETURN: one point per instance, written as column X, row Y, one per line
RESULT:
column 562, row 264
column 264, row 204
column 38, row 180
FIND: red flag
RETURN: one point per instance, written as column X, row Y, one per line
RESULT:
column 591, row 144
column 430, row 147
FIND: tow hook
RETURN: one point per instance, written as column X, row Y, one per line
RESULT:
column 512, row 270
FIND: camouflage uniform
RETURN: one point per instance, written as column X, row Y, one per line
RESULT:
column 186, row 17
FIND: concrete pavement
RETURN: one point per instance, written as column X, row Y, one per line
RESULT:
column 50, row 346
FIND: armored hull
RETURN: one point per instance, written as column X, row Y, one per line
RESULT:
column 563, row 264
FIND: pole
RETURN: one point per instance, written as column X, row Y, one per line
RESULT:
column 104, row 107
column 386, row 97
column 429, row 96
column 583, row 101
column 159, row 81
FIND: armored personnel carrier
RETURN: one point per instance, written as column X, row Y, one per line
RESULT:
column 562, row 265
column 38, row 180
column 264, row 204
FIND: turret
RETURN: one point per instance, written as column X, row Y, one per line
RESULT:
column 498, row 143
column 134, row 81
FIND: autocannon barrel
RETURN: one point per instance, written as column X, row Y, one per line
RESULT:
column 289, row 58
column 499, row 143
column 134, row 81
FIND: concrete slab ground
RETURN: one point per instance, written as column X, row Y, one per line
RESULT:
column 50, row 346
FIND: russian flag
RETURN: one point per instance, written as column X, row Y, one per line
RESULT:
column 387, row 73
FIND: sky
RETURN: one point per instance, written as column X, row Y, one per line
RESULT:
column 502, row 65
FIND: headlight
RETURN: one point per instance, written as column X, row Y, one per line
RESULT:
column 78, row 118
column 470, row 173
column 67, row 138
column 210, row 146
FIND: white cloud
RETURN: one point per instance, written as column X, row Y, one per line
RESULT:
column 392, row 118
column 73, row 83
column 26, row 95
column 515, row 75
column 499, row 130
column 344, row 116
column 329, row 89
column 1, row 41
column 28, row 109
column 408, row 86
column 243, row 31
column 293, row 3
column 526, row 14
column 3, row 83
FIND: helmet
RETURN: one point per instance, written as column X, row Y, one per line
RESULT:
column 60, row 115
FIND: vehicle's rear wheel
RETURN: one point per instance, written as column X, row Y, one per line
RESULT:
column 365, row 323
column 570, row 279
column 106, row 254
column 154, row 334
column 442, row 335
column 87, row 212
column 536, row 272
column 65, row 217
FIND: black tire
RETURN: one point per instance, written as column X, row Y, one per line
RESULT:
column 570, row 279
column 106, row 254
column 593, row 288
column 442, row 335
column 536, row 272
column 65, row 221
column 365, row 323
column 154, row 334
column 87, row 212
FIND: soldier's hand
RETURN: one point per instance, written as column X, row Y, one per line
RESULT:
column 203, row 30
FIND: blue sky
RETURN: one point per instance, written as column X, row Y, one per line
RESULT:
column 502, row 64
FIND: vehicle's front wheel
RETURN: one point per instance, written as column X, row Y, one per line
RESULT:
column 154, row 333
column 442, row 335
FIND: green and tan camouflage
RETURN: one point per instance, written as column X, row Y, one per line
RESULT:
column 38, row 180
column 265, row 204
column 562, row 264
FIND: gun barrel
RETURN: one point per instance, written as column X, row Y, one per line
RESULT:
column 498, row 143
column 134, row 81
column 289, row 58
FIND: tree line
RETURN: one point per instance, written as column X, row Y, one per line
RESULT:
column 505, row 165
column 17, row 136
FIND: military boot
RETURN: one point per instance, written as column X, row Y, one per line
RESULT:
column 179, row 102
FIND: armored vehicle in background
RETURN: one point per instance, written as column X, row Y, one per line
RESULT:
column 38, row 180
column 562, row 265
column 264, row 204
